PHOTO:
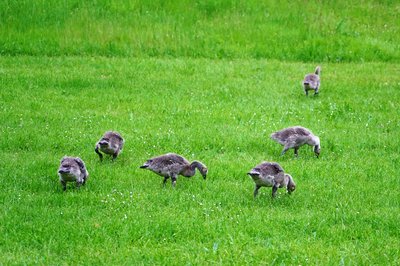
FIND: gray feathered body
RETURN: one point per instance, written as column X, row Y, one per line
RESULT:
column 312, row 81
column 172, row 165
column 266, row 174
column 271, row 174
column 168, row 164
column 111, row 143
column 72, row 169
column 295, row 137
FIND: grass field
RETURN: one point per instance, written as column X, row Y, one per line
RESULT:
column 345, row 209
column 333, row 31
column 70, row 70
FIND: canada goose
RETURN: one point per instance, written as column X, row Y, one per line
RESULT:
column 295, row 137
column 312, row 81
column 72, row 170
column 270, row 174
column 172, row 165
column 111, row 143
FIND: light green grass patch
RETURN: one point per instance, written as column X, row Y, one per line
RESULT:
column 345, row 209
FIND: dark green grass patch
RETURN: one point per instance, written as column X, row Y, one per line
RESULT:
column 345, row 209
column 332, row 31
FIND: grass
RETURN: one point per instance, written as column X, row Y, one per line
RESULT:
column 210, row 80
column 308, row 31
column 345, row 209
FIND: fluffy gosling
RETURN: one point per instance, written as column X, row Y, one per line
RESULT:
column 270, row 174
column 171, row 165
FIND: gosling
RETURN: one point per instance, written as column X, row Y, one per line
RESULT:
column 111, row 143
column 270, row 174
column 72, row 169
column 171, row 165
column 295, row 137
column 312, row 81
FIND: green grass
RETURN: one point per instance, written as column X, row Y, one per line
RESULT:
column 345, row 209
column 308, row 31
column 210, row 80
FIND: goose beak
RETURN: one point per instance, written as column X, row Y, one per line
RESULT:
column 254, row 175
column 144, row 166
column 63, row 171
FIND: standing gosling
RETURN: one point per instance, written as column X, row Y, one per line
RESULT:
column 272, row 175
column 312, row 81
column 172, row 165
column 72, row 170
column 295, row 137
column 111, row 143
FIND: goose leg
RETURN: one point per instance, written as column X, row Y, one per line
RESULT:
column 284, row 150
column 64, row 185
column 296, row 152
column 173, row 179
column 100, row 155
column 256, row 190
column 165, row 180
column 274, row 189
column 115, row 155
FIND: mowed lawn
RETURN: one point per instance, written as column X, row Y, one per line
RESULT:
column 221, row 112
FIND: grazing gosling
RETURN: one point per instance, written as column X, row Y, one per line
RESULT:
column 295, row 137
column 272, row 175
column 171, row 165
column 312, row 81
column 111, row 143
column 72, row 169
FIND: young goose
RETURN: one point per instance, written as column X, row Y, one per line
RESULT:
column 270, row 174
column 172, row 165
column 295, row 137
column 111, row 143
column 312, row 81
column 72, row 170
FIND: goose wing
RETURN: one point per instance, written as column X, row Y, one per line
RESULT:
column 118, row 136
column 301, row 131
column 311, row 79
column 284, row 135
column 269, row 168
column 170, row 162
